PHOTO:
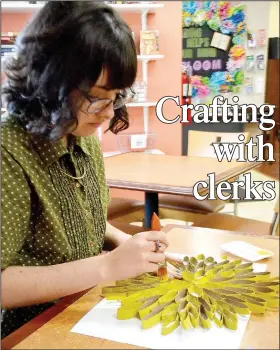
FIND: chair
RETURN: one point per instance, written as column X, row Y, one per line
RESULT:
column 189, row 208
column 200, row 143
column 235, row 223
column 122, row 209
column 125, row 227
column 125, row 210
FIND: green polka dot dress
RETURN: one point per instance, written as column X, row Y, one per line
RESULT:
column 48, row 217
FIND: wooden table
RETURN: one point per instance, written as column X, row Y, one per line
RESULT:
column 262, row 331
column 156, row 174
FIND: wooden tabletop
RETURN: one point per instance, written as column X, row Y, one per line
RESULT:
column 168, row 174
column 262, row 331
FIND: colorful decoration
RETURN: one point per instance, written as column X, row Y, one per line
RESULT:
column 226, row 18
column 209, row 292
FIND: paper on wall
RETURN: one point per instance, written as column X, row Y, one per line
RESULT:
column 101, row 322
column 259, row 85
column 220, row 41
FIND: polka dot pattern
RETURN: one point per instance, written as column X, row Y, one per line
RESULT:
column 48, row 217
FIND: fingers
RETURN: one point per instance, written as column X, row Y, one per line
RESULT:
column 171, row 268
column 157, row 236
column 161, row 248
column 151, row 267
column 156, row 258
column 174, row 257
column 173, row 272
column 155, row 246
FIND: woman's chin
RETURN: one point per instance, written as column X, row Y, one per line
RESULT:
column 87, row 130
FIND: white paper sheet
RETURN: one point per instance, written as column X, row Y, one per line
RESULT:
column 101, row 322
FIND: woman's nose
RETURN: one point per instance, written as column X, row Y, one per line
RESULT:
column 108, row 112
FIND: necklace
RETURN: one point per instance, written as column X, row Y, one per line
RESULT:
column 75, row 177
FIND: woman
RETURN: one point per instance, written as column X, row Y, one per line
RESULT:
column 76, row 62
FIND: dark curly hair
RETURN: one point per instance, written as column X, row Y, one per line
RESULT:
column 65, row 47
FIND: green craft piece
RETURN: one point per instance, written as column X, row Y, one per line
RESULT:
column 168, row 328
column 208, row 292
column 205, row 80
column 214, row 23
column 239, row 78
column 204, row 319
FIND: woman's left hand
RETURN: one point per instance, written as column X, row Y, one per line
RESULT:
column 171, row 262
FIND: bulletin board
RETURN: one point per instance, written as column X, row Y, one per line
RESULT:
column 198, row 53
column 214, row 46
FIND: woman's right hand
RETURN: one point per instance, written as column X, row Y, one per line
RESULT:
column 136, row 256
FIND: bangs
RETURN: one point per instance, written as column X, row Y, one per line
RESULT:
column 111, row 48
column 121, row 66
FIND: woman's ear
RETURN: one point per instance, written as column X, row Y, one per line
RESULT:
column 76, row 95
column 77, row 99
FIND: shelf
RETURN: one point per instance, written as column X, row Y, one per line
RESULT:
column 134, row 104
column 115, row 153
column 142, row 104
column 3, row 58
column 149, row 57
column 20, row 6
column 137, row 7
column 6, row 46
column 139, row 57
column 111, row 154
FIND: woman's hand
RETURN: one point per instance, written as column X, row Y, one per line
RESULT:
column 137, row 255
column 173, row 272
column 114, row 237
column 173, row 262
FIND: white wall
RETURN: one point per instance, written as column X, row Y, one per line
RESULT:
column 274, row 19
column 257, row 17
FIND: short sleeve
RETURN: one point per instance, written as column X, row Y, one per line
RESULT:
column 15, row 203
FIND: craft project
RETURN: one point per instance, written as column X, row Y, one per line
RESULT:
column 208, row 292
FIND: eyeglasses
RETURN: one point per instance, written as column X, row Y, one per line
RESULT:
column 98, row 104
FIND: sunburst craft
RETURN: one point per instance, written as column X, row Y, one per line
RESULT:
column 208, row 292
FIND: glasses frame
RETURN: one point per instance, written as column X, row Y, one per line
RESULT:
column 127, row 97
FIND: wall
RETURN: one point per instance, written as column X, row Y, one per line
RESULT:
column 274, row 19
column 14, row 22
column 163, row 79
column 257, row 17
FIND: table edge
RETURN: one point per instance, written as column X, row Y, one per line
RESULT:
column 169, row 227
column 180, row 190
column 37, row 322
